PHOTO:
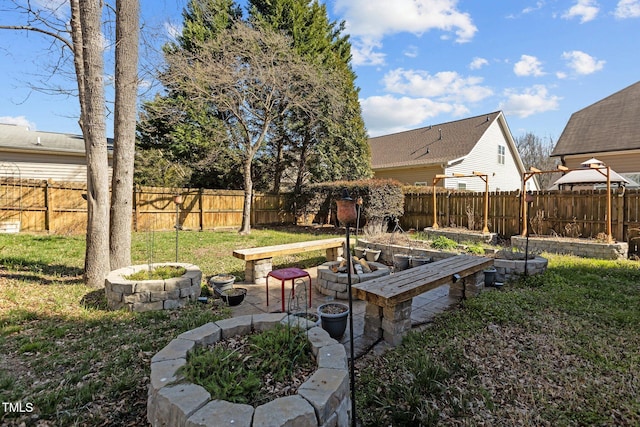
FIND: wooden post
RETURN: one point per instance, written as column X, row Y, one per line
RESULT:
column 200, row 209
column 47, row 206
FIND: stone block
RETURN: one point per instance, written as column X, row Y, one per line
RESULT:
column 222, row 413
column 265, row 321
column 164, row 295
column 150, row 286
column 177, row 283
column 319, row 338
column 325, row 390
column 164, row 373
column 136, row 297
column 175, row 404
column 172, row 304
column 124, row 288
column 289, row 411
column 399, row 327
column 332, row 357
column 240, row 325
column 400, row 311
column 176, row 349
column 207, row 334
column 140, row 307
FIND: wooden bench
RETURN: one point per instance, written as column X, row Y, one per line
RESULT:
column 259, row 261
column 389, row 298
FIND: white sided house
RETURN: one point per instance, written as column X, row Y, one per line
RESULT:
column 47, row 156
column 481, row 144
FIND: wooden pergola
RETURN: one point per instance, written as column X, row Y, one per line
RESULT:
column 605, row 171
column 480, row 175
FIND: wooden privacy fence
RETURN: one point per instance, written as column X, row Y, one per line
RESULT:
column 60, row 208
column 564, row 213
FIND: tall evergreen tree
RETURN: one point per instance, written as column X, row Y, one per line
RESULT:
column 334, row 145
column 186, row 133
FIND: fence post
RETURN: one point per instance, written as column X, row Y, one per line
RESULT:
column 620, row 210
column 135, row 210
column 200, row 209
column 47, row 206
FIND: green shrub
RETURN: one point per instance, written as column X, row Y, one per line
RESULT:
column 444, row 243
column 381, row 200
column 475, row 248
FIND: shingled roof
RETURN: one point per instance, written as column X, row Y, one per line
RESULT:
column 20, row 138
column 611, row 124
column 433, row 144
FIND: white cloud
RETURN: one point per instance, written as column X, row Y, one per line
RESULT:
column 411, row 51
column 538, row 6
column 18, row 121
column 627, row 9
column 377, row 18
column 528, row 66
column 446, row 85
column 388, row 114
column 586, row 10
column 478, row 63
column 362, row 52
column 533, row 100
column 582, row 63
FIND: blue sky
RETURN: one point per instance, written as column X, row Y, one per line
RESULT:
column 418, row 62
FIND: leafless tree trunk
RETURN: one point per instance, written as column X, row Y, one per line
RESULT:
column 95, row 138
column 126, row 85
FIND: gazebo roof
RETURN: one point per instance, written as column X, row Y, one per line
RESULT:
column 590, row 175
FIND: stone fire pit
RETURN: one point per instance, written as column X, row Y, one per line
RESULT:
column 335, row 284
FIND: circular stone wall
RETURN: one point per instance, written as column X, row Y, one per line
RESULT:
column 322, row 400
column 335, row 284
column 147, row 295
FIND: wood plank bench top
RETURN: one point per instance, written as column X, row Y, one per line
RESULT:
column 252, row 254
column 391, row 290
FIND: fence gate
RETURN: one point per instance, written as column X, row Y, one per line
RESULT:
column 10, row 198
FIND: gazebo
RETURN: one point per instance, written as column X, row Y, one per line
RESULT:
column 589, row 177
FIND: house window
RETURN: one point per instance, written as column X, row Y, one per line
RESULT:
column 501, row 151
column 462, row 185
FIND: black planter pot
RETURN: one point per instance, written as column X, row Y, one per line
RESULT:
column 401, row 262
column 233, row 296
column 333, row 318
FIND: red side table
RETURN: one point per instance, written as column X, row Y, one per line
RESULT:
column 285, row 274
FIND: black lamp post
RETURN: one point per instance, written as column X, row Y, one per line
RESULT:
column 347, row 215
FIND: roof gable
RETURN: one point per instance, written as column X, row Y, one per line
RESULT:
column 433, row 144
column 611, row 124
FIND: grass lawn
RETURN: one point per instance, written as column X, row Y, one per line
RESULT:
column 561, row 349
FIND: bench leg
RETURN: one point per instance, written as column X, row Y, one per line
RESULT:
column 334, row 253
column 396, row 322
column 256, row 271
column 390, row 323
column 467, row 287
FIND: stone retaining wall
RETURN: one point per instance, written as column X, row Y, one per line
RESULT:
column 508, row 269
column 463, row 236
column 322, row 400
column 147, row 295
column 579, row 247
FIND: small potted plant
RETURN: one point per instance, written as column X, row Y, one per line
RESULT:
column 222, row 282
column 333, row 318
column 233, row 296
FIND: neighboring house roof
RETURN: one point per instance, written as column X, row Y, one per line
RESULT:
column 611, row 124
column 435, row 144
column 21, row 139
